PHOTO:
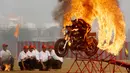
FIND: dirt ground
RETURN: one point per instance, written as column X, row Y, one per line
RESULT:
column 65, row 67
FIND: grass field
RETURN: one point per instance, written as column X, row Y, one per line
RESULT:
column 65, row 67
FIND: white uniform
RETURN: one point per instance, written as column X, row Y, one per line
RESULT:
column 44, row 56
column 36, row 53
column 22, row 56
column 5, row 55
column 31, row 54
column 55, row 57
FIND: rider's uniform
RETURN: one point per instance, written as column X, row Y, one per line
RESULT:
column 82, row 27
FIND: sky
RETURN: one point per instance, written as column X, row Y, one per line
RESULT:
column 39, row 12
column 34, row 11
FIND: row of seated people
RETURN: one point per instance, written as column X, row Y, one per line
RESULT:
column 30, row 58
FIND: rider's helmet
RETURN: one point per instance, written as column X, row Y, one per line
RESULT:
column 73, row 19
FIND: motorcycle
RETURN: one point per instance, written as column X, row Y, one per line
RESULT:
column 75, row 42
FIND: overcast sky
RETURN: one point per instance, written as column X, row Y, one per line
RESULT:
column 35, row 11
column 40, row 11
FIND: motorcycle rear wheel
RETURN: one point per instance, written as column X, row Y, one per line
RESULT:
column 92, row 48
column 59, row 50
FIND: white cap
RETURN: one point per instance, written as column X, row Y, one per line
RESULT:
column 73, row 18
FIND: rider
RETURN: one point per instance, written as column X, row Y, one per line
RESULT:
column 85, row 27
column 81, row 26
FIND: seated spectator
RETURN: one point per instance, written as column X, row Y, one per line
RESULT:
column 37, row 61
column 56, row 61
column 23, row 59
column 44, row 59
column 32, row 57
column 7, row 59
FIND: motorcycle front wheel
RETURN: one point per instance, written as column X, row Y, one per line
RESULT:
column 59, row 50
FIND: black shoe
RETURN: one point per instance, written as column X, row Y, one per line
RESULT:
column 31, row 69
column 46, row 69
column 43, row 70
column 11, row 69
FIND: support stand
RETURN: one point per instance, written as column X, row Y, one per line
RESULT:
column 82, row 65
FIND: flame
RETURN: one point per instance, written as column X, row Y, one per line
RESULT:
column 110, row 19
column 81, row 10
column 7, row 67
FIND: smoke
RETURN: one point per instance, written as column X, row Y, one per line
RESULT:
column 62, row 7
